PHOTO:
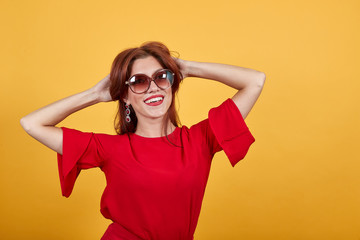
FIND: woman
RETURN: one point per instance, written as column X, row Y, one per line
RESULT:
column 156, row 171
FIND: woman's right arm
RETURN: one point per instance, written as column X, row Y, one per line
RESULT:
column 40, row 124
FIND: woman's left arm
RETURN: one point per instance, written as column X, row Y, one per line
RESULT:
column 248, row 82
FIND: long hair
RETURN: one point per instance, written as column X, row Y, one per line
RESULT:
column 120, row 73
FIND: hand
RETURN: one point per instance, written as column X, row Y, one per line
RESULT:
column 183, row 65
column 102, row 89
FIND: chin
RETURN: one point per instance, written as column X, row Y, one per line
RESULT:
column 157, row 113
column 152, row 110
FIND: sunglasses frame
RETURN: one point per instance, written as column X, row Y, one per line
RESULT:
column 150, row 79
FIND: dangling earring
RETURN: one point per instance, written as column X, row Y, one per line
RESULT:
column 127, row 112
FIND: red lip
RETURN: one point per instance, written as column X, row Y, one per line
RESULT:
column 155, row 103
column 154, row 96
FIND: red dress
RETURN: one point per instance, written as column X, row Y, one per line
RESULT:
column 155, row 189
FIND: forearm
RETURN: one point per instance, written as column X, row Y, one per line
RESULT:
column 54, row 113
column 233, row 76
column 248, row 82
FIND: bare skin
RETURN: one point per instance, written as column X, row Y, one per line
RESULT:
column 41, row 124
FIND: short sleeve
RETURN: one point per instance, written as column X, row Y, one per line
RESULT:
column 80, row 151
column 230, row 131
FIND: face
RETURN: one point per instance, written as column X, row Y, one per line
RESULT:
column 155, row 102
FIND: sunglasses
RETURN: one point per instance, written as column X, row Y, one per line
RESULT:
column 140, row 83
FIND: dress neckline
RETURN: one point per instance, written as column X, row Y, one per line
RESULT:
column 154, row 138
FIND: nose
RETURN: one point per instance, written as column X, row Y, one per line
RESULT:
column 153, row 87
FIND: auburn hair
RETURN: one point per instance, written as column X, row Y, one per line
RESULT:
column 120, row 73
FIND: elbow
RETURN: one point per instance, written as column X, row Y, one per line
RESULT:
column 24, row 122
column 258, row 82
column 261, row 80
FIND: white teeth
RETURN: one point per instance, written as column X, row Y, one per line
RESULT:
column 152, row 100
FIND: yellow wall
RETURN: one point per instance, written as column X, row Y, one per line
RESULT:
column 300, row 179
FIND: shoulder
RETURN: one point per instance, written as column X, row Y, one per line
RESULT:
column 200, row 126
column 102, row 137
column 197, row 130
column 109, row 139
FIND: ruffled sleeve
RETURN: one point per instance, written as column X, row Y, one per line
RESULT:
column 230, row 131
column 80, row 151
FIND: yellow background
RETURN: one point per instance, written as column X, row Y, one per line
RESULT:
column 300, row 179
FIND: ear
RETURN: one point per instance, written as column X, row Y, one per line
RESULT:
column 127, row 101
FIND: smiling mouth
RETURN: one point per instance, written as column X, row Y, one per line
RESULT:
column 154, row 100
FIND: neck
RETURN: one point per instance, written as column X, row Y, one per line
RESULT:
column 153, row 128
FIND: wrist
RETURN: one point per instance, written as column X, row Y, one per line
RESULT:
column 93, row 96
column 192, row 69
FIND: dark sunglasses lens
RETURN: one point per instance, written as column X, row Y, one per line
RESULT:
column 139, row 83
column 164, row 79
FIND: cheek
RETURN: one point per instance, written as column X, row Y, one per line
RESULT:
column 169, row 94
column 131, row 97
column 127, row 97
